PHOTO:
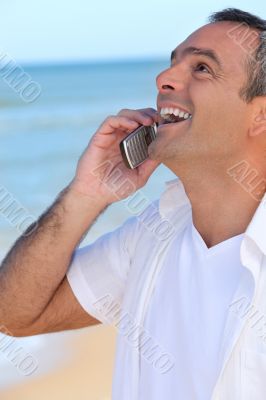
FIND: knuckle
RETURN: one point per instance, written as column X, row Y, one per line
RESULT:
column 107, row 120
column 110, row 117
column 123, row 111
column 145, row 114
column 147, row 110
column 150, row 109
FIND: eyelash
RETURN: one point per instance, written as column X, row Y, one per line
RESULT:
column 209, row 71
column 204, row 65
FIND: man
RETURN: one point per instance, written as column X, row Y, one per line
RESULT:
column 187, row 290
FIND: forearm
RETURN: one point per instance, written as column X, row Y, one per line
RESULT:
column 37, row 263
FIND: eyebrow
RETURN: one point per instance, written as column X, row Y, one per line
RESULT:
column 201, row 52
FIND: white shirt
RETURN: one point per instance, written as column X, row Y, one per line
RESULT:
column 187, row 315
column 114, row 279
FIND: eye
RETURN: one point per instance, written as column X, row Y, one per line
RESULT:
column 200, row 67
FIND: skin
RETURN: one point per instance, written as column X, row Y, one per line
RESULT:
column 35, row 296
column 224, row 130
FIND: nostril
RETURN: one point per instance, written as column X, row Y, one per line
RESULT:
column 167, row 87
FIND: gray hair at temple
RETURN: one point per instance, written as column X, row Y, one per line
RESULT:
column 256, row 64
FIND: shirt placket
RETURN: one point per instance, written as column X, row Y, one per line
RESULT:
column 235, row 326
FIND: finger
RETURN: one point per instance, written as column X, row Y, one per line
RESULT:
column 139, row 116
column 151, row 112
column 112, row 123
column 144, row 116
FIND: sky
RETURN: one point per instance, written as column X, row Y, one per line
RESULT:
column 58, row 31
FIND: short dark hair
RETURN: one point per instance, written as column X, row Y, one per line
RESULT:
column 256, row 63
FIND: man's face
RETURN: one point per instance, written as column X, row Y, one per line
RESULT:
column 206, row 84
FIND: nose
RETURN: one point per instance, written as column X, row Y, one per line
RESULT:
column 170, row 79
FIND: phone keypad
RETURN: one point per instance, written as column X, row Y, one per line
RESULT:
column 138, row 150
column 137, row 145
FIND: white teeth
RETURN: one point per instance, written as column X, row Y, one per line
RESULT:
column 165, row 112
column 176, row 112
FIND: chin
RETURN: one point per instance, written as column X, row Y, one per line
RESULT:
column 161, row 154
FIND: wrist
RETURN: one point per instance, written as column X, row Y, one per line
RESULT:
column 88, row 193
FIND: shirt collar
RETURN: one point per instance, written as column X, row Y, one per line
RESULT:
column 174, row 197
column 256, row 229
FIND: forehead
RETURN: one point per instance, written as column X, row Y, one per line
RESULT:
column 226, row 39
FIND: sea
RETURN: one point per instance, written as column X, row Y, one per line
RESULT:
column 42, row 140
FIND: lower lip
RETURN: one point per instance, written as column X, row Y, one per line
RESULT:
column 162, row 126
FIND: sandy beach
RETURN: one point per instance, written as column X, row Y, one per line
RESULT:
column 86, row 375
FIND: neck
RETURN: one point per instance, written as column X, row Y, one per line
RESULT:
column 221, row 207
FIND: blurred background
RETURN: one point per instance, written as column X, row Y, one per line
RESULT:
column 64, row 67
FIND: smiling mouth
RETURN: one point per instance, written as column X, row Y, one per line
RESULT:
column 173, row 116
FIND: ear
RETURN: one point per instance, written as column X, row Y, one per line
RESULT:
column 259, row 118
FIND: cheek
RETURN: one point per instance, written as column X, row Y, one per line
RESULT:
column 220, row 126
column 221, row 113
column 232, row 120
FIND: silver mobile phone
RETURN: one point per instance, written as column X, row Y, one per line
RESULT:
column 134, row 148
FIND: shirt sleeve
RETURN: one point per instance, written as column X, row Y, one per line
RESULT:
column 98, row 272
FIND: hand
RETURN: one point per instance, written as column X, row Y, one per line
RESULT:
column 101, row 171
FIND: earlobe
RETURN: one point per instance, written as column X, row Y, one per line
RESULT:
column 261, row 117
column 259, row 123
